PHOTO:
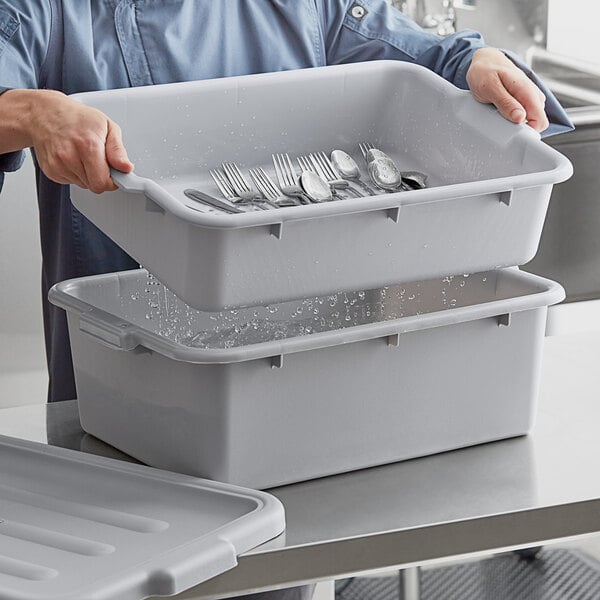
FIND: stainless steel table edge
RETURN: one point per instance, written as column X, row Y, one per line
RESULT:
column 403, row 548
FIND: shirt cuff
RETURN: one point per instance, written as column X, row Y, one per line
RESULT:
column 460, row 80
column 11, row 161
column 559, row 120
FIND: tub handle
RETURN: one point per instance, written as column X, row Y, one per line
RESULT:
column 157, row 200
column 130, row 182
column 117, row 335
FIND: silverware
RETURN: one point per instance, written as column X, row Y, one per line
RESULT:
column 208, row 200
column 266, row 186
column 307, row 165
column 225, row 187
column 348, row 169
column 288, row 178
column 238, row 182
column 414, row 179
column 370, row 153
column 316, row 188
column 381, row 168
column 411, row 180
column 330, row 174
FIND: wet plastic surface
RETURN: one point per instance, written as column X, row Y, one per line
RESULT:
column 423, row 368
column 490, row 181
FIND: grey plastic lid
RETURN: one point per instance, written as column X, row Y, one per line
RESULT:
column 77, row 527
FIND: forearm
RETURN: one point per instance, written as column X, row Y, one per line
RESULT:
column 73, row 143
column 18, row 117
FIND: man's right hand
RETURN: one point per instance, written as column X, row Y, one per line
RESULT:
column 73, row 143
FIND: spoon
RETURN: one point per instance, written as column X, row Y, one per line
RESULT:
column 411, row 180
column 384, row 174
column 348, row 169
column 376, row 154
column 381, row 168
column 414, row 180
column 316, row 188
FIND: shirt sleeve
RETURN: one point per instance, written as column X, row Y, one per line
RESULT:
column 559, row 120
column 378, row 31
column 24, row 35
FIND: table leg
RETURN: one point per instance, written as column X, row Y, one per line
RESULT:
column 325, row 590
column 410, row 583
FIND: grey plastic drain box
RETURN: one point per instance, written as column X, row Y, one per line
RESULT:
column 275, row 394
column 490, row 182
column 81, row 527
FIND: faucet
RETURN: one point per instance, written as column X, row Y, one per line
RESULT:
column 443, row 23
column 415, row 9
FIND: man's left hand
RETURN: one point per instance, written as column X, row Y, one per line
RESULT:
column 495, row 79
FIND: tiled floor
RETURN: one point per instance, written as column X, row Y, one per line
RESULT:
column 589, row 544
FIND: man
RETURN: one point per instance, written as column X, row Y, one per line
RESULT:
column 49, row 48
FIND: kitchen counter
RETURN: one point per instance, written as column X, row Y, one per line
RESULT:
column 513, row 493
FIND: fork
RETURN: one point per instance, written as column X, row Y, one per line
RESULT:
column 365, row 147
column 307, row 164
column 288, row 178
column 238, row 182
column 266, row 186
column 229, row 193
column 242, row 188
column 331, row 175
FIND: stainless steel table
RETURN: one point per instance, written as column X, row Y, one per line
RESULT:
column 514, row 493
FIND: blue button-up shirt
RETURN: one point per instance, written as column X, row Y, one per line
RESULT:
column 84, row 45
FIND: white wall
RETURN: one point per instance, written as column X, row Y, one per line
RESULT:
column 20, row 260
column 573, row 29
column 23, row 376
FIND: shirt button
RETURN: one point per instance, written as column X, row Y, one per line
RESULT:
column 357, row 11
